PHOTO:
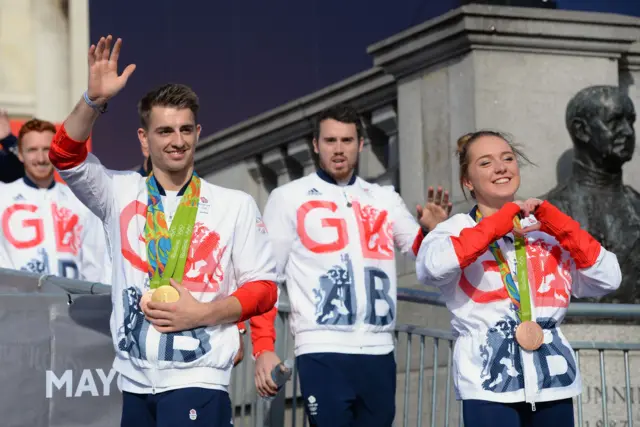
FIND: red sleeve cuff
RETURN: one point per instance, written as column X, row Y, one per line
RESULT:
column 474, row 241
column 551, row 219
column 261, row 345
column 66, row 153
column 582, row 247
column 256, row 298
column 418, row 241
column 263, row 332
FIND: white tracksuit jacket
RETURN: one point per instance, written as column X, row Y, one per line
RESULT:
column 49, row 231
column 335, row 248
column 488, row 362
column 229, row 248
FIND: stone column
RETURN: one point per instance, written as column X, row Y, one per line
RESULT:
column 379, row 158
column 300, row 158
column 274, row 168
column 17, row 65
column 262, row 181
column 50, row 28
column 512, row 69
column 630, row 81
column 78, row 47
column 279, row 166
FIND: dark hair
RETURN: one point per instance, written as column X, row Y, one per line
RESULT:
column 343, row 113
column 35, row 125
column 466, row 140
column 169, row 95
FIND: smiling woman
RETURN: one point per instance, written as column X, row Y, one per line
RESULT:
column 489, row 167
column 493, row 266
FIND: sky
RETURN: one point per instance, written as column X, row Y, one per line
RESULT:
column 246, row 57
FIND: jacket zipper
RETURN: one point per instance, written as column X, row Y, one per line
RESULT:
column 348, row 216
column 346, row 198
column 152, row 357
column 529, row 380
column 153, row 382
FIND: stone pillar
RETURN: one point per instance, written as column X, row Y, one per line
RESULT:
column 279, row 166
column 51, row 60
column 17, row 65
column 512, row 69
column 274, row 168
column 379, row 158
column 300, row 158
column 630, row 81
column 78, row 47
column 263, row 180
column 386, row 119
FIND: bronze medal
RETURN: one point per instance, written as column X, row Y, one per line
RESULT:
column 165, row 294
column 529, row 335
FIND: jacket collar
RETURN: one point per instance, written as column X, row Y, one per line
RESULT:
column 328, row 178
column 32, row 184
column 180, row 193
column 143, row 172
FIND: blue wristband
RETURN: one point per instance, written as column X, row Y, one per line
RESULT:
column 99, row 108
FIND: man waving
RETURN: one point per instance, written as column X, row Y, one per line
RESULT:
column 189, row 258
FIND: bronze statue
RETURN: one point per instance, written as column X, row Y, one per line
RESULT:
column 600, row 121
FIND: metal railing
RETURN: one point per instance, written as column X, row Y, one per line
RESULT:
column 425, row 395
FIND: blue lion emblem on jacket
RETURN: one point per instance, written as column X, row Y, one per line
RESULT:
column 501, row 362
column 135, row 328
column 335, row 297
column 502, row 369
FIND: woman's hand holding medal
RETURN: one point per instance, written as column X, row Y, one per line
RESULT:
column 527, row 208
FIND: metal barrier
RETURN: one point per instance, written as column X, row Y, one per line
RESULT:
column 433, row 382
column 424, row 358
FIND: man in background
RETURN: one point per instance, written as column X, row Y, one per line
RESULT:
column 45, row 228
column 334, row 236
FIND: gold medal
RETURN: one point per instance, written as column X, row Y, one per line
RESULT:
column 529, row 335
column 165, row 294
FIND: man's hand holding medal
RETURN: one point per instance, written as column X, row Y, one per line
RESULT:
column 173, row 309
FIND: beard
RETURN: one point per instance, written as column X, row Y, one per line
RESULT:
column 342, row 174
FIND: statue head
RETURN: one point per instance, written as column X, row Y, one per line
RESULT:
column 600, row 121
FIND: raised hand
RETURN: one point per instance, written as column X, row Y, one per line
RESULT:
column 530, row 206
column 104, row 81
column 436, row 210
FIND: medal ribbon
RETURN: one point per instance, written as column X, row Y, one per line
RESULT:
column 167, row 250
column 520, row 295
